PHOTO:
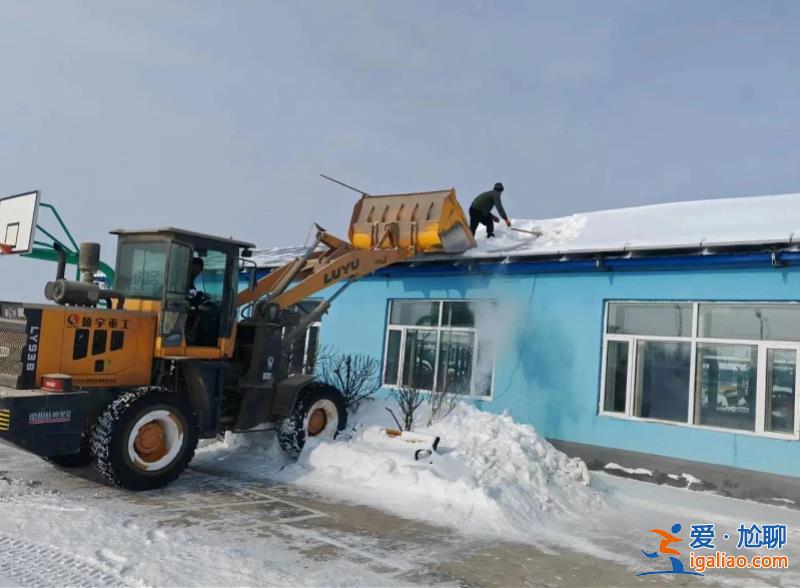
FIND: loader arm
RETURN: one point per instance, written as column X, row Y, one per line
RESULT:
column 350, row 266
column 318, row 269
column 383, row 230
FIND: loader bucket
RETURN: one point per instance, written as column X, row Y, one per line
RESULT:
column 429, row 222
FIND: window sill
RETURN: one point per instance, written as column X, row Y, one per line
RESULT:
column 464, row 396
column 765, row 434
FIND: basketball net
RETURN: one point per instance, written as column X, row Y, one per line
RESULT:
column 5, row 249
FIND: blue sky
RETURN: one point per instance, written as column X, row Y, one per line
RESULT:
column 218, row 116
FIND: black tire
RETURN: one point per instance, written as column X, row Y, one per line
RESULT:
column 293, row 430
column 74, row 460
column 114, row 448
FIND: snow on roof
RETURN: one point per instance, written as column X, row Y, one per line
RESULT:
column 276, row 256
column 698, row 224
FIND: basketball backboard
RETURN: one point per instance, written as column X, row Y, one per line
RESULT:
column 18, row 222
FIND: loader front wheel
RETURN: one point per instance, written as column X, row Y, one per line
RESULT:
column 144, row 439
column 319, row 411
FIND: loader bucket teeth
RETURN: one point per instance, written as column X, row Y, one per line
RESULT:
column 428, row 222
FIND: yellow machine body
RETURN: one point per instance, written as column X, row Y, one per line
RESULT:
column 176, row 336
column 117, row 348
column 223, row 350
column 428, row 222
column 98, row 348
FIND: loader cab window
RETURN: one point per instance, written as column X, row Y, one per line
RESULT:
column 211, row 279
column 211, row 294
column 141, row 268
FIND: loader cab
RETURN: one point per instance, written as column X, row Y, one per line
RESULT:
column 196, row 311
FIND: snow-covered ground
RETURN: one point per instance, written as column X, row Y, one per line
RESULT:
column 496, row 505
column 201, row 532
column 494, row 478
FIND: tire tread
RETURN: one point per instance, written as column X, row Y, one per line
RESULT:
column 291, row 434
column 107, row 425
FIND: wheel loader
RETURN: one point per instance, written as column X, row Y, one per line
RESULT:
column 129, row 377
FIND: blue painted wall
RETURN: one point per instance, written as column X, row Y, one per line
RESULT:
column 547, row 369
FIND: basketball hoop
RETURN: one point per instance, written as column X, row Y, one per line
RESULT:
column 18, row 223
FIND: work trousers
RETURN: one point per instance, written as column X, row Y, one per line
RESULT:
column 476, row 217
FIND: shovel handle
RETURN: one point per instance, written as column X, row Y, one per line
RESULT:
column 536, row 233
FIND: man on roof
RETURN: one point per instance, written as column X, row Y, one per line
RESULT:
column 480, row 211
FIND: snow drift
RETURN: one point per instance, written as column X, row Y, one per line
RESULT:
column 491, row 476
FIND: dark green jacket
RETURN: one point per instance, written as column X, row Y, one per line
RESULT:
column 484, row 203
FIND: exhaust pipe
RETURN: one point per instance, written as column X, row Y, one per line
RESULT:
column 88, row 261
column 62, row 261
column 84, row 292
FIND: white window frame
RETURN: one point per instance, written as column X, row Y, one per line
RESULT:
column 318, row 325
column 694, row 340
column 439, row 329
column 307, row 337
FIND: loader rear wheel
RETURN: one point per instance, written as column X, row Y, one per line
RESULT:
column 320, row 411
column 144, row 439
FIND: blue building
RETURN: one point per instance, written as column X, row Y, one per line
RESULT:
column 662, row 337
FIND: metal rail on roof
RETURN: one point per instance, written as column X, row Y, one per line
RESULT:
column 763, row 259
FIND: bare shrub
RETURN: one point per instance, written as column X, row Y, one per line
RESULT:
column 408, row 399
column 441, row 403
column 356, row 376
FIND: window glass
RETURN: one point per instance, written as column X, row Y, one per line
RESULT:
column 781, row 370
column 444, row 355
column 663, row 319
column 141, row 268
column 458, row 314
column 662, row 380
column 307, row 305
column 211, row 280
column 302, row 354
column 419, row 358
column 456, row 350
column 616, row 376
column 415, row 313
column 482, row 374
column 392, row 357
column 726, row 385
column 312, row 344
column 179, row 266
column 776, row 322
column 296, row 355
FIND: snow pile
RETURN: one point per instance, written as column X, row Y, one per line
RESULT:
column 490, row 476
column 556, row 234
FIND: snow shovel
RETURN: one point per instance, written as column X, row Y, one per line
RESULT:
column 426, row 444
column 534, row 233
